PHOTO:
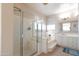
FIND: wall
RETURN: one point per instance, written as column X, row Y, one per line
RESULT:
column 78, row 18
column 0, row 28
column 54, row 19
column 7, row 29
column 74, row 27
column 78, row 23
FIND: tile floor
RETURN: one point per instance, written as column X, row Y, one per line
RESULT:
column 58, row 51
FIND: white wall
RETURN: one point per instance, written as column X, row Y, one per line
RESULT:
column 54, row 19
column 0, row 28
column 78, row 23
column 78, row 18
column 7, row 29
column 74, row 27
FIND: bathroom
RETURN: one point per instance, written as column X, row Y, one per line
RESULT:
column 38, row 29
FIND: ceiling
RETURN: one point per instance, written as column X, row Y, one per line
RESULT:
column 51, row 8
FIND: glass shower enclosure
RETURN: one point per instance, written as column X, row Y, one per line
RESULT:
column 26, row 33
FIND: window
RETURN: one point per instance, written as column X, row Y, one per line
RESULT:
column 66, row 26
column 51, row 27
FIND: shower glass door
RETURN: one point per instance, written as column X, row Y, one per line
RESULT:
column 27, row 33
column 29, row 36
column 39, row 35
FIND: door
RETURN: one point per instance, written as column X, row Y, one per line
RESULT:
column 29, row 35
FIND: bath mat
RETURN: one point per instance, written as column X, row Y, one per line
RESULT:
column 71, row 51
